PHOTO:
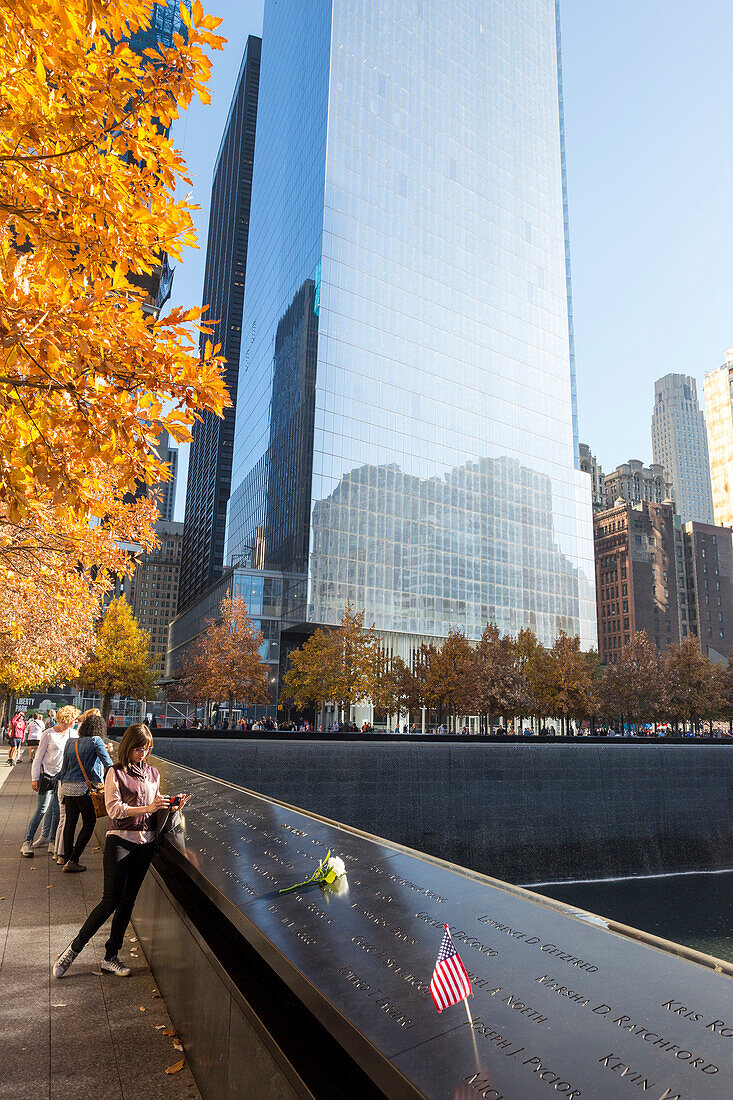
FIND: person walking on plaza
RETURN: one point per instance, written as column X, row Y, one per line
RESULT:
column 44, row 776
column 16, row 736
column 50, row 719
column 33, row 732
column 132, row 797
column 85, row 761
column 58, row 840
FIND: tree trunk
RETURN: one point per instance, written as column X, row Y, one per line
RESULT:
column 106, row 704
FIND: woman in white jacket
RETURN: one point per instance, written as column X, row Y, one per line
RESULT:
column 44, row 773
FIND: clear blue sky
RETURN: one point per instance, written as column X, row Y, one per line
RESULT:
column 650, row 181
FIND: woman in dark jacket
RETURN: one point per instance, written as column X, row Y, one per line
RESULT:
column 88, row 754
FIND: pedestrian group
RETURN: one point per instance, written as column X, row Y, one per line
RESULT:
column 71, row 769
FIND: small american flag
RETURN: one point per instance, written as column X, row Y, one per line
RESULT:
column 450, row 982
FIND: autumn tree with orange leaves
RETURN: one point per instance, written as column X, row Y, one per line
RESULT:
column 225, row 662
column 88, row 377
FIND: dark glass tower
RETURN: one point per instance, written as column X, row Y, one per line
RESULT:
column 210, row 463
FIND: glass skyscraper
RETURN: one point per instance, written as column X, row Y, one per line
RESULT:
column 406, row 435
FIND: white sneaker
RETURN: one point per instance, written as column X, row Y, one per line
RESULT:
column 26, row 849
column 114, row 966
column 64, row 961
column 42, row 842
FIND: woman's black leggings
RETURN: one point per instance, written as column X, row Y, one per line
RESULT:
column 76, row 805
column 125, row 867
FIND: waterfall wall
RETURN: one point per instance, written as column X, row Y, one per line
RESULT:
column 526, row 813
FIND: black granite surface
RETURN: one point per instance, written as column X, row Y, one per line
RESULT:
column 563, row 1004
column 526, row 813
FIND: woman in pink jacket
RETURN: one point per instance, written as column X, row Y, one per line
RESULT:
column 16, row 735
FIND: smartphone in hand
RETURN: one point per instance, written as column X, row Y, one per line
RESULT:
column 178, row 801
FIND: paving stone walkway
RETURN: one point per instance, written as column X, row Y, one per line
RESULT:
column 85, row 1035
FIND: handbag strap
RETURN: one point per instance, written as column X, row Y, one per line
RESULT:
column 76, row 746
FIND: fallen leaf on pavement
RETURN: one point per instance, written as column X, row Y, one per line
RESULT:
column 177, row 1045
column 143, row 1008
column 51, row 886
column 176, row 1066
column 59, row 1006
column 169, row 1031
column 156, row 994
column 158, row 1027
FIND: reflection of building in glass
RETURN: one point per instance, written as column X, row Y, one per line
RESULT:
column 415, row 193
column 719, row 415
column 424, row 554
column 290, row 453
column 210, row 459
column 165, row 21
column 679, row 445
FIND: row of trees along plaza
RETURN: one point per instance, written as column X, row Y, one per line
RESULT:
column 500, row 678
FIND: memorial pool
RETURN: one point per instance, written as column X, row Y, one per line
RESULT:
column 693, row 909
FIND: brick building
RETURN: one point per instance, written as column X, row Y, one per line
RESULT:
column 635, row 576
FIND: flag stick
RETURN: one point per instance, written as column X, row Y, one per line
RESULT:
column 468, row 1012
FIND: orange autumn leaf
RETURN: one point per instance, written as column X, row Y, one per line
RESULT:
column 176, row 1067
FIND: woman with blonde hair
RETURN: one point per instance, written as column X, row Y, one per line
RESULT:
column 45, row 770
column 132, row 796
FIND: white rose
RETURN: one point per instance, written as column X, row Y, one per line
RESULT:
column 338, row 887
column 337, row 864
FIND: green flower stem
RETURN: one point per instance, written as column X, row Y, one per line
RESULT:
column 314, row 880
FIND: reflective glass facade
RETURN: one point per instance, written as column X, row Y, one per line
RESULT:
column 406, row 435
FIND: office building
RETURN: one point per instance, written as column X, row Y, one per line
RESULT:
column 719, row 416
column 635, row 576
column 406, row 413
column 589, row 465
column 709, row 581
column 210, row 460
column 154, row 589
column 633, row 482
column 680, row 446
column 166, row 491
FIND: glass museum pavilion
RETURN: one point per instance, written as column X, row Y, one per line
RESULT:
column 406, row 428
